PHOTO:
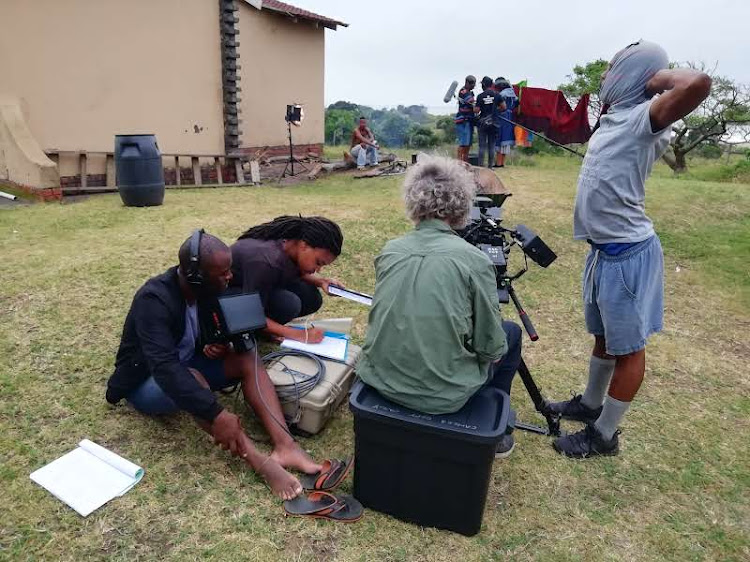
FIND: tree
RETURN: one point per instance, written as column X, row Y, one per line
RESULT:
column 339, row 125
column 447, row 125
column 723, row 116
column 420, row 136
column 416, row 113
column 391, row 129
column 585, row 79
column 346, row 105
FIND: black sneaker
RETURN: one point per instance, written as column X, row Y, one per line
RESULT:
column 587, row 443
column 505, row 446
column 574, row 410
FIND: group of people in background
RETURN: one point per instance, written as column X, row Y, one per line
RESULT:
column 491, row 112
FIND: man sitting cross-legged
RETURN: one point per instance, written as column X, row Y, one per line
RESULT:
column 160, row 368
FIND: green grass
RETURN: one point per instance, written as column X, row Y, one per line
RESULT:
column 679, row 491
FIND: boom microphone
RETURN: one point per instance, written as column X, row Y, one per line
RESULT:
column 451, row 91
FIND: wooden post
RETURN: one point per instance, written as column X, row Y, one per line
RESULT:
column 197, row 180
column 83, row 169
column 238, row 171
column 178, row 171
column 217, row 165
column 254, row 172
column 111, row 172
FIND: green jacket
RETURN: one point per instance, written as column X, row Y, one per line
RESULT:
column 435, row 324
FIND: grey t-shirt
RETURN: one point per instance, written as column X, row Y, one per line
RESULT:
column 611, row 186
column 186, row 347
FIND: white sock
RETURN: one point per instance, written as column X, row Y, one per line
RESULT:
column 600, row 374
column 611, row 416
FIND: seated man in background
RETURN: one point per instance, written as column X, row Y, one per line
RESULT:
column 161, row 368
column 435, row 334
column 364, row 147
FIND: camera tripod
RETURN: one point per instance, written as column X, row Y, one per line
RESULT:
column 540, row 403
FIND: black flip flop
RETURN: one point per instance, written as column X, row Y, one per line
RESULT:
column 348, row 509
column 316, row 504
column 334, row 472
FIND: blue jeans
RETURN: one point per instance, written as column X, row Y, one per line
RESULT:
column 296, row 299
column 623, row 295
column 487, row 136
column 364, row 156
column 151, row 400
column 502, row 372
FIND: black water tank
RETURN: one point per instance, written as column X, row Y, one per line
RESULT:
column 140, row 174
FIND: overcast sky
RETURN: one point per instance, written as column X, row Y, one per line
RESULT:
column 408, row 51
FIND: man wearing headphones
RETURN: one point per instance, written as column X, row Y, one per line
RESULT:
column 160, row 368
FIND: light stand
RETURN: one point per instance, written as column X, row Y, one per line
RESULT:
column 293, row 115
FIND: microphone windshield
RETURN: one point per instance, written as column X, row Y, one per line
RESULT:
column 451, row 90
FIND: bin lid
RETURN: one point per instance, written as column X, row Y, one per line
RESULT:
column 483, row 419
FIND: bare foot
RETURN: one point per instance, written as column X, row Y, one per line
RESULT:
column 282, row 484
column 292, row 456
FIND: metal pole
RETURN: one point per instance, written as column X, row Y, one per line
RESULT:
column 541, row 135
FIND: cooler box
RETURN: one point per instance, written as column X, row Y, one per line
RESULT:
column 432, row 470
column 310, row 415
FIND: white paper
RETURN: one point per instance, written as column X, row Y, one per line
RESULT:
column 331, row 347
column 88, row 477
column 351, row 295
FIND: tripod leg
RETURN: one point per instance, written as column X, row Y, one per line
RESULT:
column 553, row 422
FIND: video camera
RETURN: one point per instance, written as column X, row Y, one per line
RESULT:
column 233, row 319
column 485, row 232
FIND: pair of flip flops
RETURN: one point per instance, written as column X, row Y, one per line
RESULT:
column 324, row 505
column 320, row 503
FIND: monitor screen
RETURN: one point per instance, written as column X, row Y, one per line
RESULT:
column 242, row 313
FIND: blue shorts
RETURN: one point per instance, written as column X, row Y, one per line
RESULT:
column 465, row 133
column 150, row 399
column 623, row 295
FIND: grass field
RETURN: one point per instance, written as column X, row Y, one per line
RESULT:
column 680, row 490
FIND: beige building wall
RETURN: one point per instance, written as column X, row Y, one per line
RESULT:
column 85, row 70
column 281, row 62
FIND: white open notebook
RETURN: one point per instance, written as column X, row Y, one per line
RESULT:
column 88, row 477
column 333, row 346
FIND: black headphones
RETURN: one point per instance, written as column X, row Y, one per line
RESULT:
column 193, row 275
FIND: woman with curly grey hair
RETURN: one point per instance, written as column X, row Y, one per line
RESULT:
column 435, row 334
column 439, row 188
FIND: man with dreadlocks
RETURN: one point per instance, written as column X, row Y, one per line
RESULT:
column 280, row 261
column 623, row 280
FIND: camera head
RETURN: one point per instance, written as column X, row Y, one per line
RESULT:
column 486, row 233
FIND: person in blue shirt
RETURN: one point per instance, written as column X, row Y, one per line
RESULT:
column 505, row 139
column 465, row 118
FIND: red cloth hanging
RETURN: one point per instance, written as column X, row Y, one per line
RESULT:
column 548, row 112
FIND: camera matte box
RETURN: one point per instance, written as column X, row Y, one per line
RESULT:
column 534, row 247
column 432, row 470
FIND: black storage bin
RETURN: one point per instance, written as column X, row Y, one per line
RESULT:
column 139, row 170
column 432, row 470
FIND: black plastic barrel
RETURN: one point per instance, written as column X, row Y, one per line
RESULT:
column 139, row 170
